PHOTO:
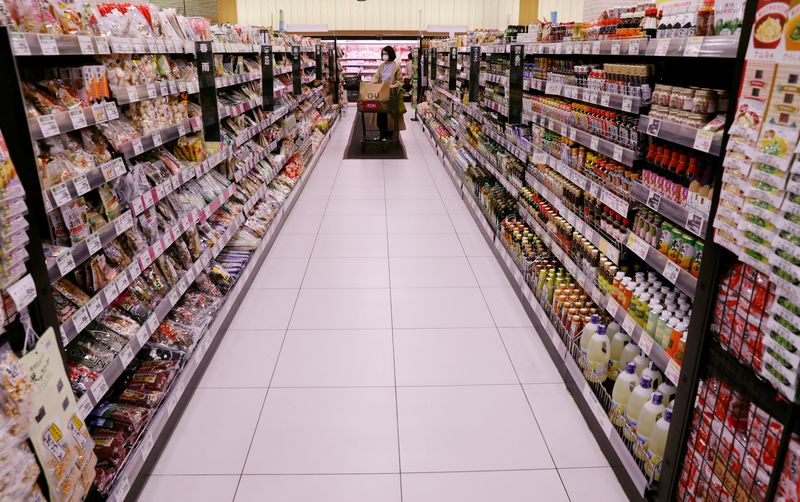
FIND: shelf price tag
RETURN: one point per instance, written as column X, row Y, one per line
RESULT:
column 151, row 91
column 65, row 262
column 156, row 138
column 671, row 272
column 102, row 45
column 181, row 129
column 629, row 324
column 596, row 47
column 627, row 103
column 133, row 93
column 48, row 44
column 645, row 342
column 19, row 44
column 85, row 406
column 616, row 45
column 126, row 355
column 110, row 293
column 653, row 200
column 693, row 45
column 617, row 153
column 94, row 307
column 594, row 143
column 122, row 489
column 22, row 292
column 61, row 194
column 147, row 445
column 662, row 46
column 673, row 371
column 77, row 118
column 48, row 125
column 152, row 324
column 111, row 111
column 99, row 388
column 93, row 244
column 637, row 245
column 703, row 140
column 695, row 222
column 633, row 48
column 137, row 146
column 605, row 99
column 81, row 184
column 612, row 308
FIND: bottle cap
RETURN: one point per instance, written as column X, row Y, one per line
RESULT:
column 630, row 368
column 657, row 397
column 646, row 382
column 601, row 329
column 595, row 319
column 668, row 415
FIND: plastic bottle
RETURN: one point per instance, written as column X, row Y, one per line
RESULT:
column 628, row 354
column 652, row 320
column 642, row 309
column 658, row 437
column 649, row 414
column 678, row 329
column 639, row 396
column 662, row 335
column 618, row 343
column 655, row 375
column 597, row 355
column 626, row 382
column 588, row 332
column 642, row 362
column 668, row 391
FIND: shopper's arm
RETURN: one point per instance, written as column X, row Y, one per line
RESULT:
column 376, row 78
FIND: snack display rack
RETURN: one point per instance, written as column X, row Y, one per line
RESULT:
column 156, row 171
column 513, row 125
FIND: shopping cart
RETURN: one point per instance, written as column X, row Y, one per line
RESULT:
column 391, row 108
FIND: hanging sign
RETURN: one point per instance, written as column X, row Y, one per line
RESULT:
column 515, row 84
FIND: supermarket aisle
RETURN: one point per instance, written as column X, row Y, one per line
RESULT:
column 381, row 337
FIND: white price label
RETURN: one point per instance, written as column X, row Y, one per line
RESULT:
column 19, row 44
column 573, row 134
column 126, row 355
column 605, row 99
column 181, row 86
column 587, row 48
column 637, row 245
column 135, row 269
column 111, row 111
column 94, row 307
column 616, row 45
column 673, row 371
column 173, row 87
column 61, row 194
column 156, row 138
column 164, row 88
column 48, row 125
column 137, row 146
column 612, row 308
column 138, row 46
column 147, row 445
column 122, row 489
column 662, row 46
column 133, row 93
column 703, row 140
column 99, row 388
column 157, row 248
column 78, row 118
column 645, row 342
column 629, row 324
column 617, row 155
column 596, row 47
column 627, row 103
column 181, row 129
column 152, row 323
column 65, row 262
column 81, row 184
column 653, row 200
column 693, row 45
column 671, row 272
column 22, row 292
column 633, row 48
column 136, row 205
column 48, row 44
column 122, row 282
column 102, row 45
column 86, row 45
column 151, row 91
column 85, row 406
column 93, row 244
column 173, row 297
column 594, row 143
column 695, row 222
column 110, row 293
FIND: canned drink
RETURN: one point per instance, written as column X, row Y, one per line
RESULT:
column 665, row 238
column 688, row 251
column 675, row 246
column 698, row 257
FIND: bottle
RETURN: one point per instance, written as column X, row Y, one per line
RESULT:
column 618, row 343
column 655, row 375
column 678, row 328
column 649, row 414
column 628, row 354
column 652, row 320
column 640, row 395
column 626, row 382
column 641, row 361
column 588, row 332
column 597, row 355
column 658, row 437
column 663, row 331
column 668, row 391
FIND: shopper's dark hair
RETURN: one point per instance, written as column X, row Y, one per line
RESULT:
column 411, row 56
column 388, row 50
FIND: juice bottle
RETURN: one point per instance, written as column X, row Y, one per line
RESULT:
column 658, row 437
column 588, row 332
column 678, row 329
column 640, row 395
column 640, row 314
column 655, row 375
column 597, row 355
column 650, row 413
column 618, row 342
column 668, row 391
column 626, row 382
column 652, row 320
column 663, row 331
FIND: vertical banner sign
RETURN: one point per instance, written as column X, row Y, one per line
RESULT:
column 331, row 64
column 474, row 73
column 515, row 84
column 335, row 64
column 297, row 73
column 208, row 90
column 420, row 74
column 318, row 55
column 453, row 68
column 267, row 82
column 433, row 66
column 423, row 67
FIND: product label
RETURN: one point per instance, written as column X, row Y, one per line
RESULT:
column 629, row 324
column 22, row 292
column 102, row 45
column 19, row 44
column 48, row 125
column 633, row 48
column 65, row 262
column 703, row 140
column 94, row 307
column 48, row 44
column 99, row 388
column 662, row 46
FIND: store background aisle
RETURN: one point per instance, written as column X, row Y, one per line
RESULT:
column 381, row 337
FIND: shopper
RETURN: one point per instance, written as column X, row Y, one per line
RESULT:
column 388, row 71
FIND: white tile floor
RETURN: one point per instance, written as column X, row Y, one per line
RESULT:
column 381, row 356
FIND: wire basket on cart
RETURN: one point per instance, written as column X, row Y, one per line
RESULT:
column 391, row 107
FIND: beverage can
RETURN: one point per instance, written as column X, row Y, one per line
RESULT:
column 665, row 238
column 687, row 253
column 698, row 257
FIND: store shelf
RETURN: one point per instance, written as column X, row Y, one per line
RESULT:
column 134, row 93
column 619, row 153
column 629, row 104
column 44, row 44
column 680, row 134
column 591, row 408
column 694, row 221
column 685, row 281
column 57, row 123
column 140, row 454
column 153, row 140
column 233, row 111
column 243, row 78
column 234, row 48
column 71, row 189
column 696, row 47
column 510, row 186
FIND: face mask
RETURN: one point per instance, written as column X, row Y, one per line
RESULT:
column 385, row 57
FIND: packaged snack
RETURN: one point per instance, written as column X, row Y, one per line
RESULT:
column 135, row 416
